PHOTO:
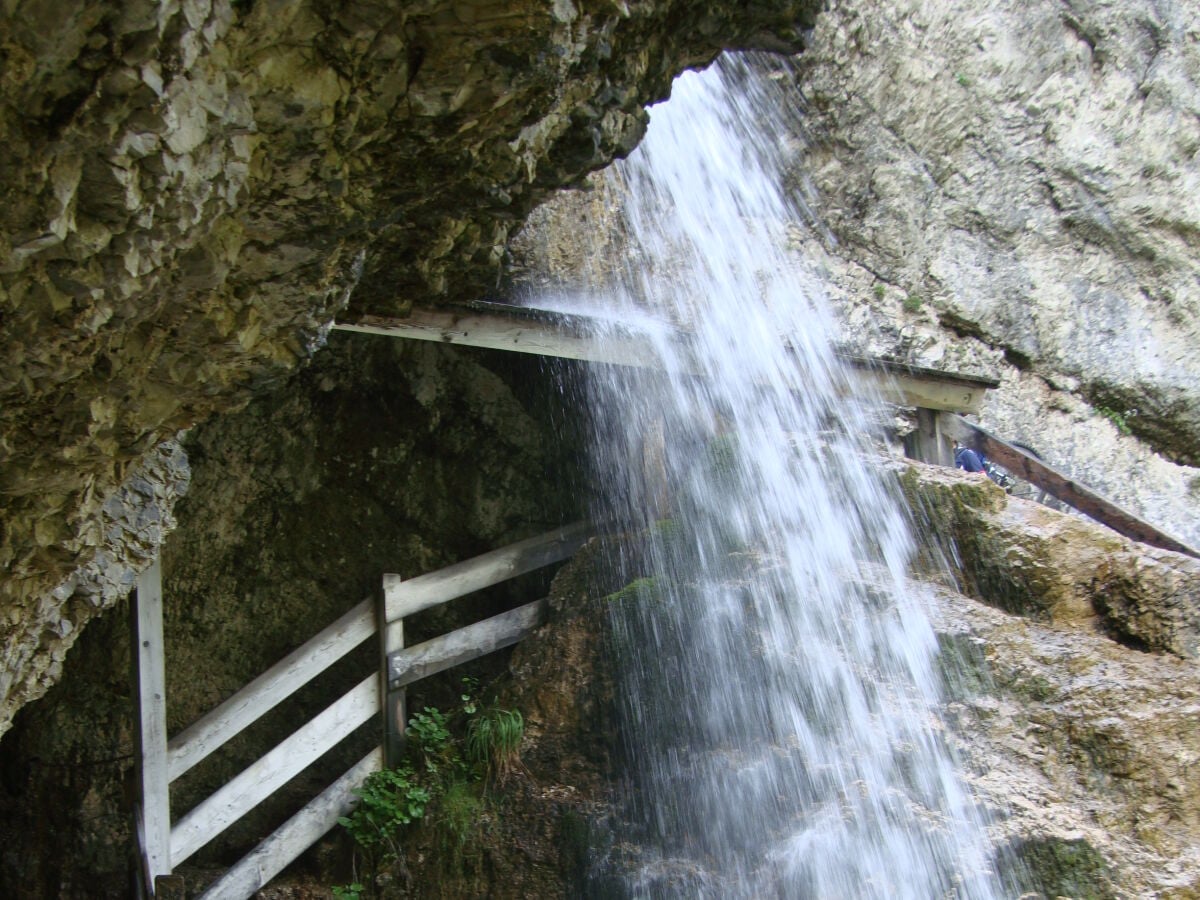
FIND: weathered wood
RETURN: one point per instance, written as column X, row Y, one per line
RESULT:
column 927, row 443
column 391, row 639
column 170, row 887
column 295, row 836
column 542, row 332
column 1081, row 497
column 499, row 327
column 143, row 881
column 150, row 689
column 264, row 777
column 894, row 385
column 262, row 694
column 464, row 645
column 403, row 598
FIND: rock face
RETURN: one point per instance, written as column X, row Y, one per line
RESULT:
column 193, row 190
column 1072, row 689
column 1006, row 185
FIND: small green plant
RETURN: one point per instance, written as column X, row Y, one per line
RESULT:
column 387, row 801
column 439, row 783
column 470, row 691
column 912, row 303
column 494, row 743
column 429, row 729
column 962, row 80
column 639, row 590
column 1118, row 419
column 879, row 291
column 459, row 816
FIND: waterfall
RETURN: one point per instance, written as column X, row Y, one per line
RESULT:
column 781, row 690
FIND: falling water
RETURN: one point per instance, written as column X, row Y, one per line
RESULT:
column 781, row 687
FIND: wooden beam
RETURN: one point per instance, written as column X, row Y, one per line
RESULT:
column 237, row 797
column 1080, row 496
column 262, row 694
column 927, row 443
column 464, row 645
column 403, row 598
column 895, row 385
column 395, row 714
column 296, row 835
column 150, row 691
column 499, row 326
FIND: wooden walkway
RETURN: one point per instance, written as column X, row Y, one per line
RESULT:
column 165, row 844
column 540, row 332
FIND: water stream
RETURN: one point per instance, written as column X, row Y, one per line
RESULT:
column 780, row 696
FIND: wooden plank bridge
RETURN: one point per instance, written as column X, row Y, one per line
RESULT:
column 163, row 845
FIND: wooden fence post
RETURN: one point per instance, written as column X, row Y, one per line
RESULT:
column 392, row 702
column 150, row 690
column 929, row 442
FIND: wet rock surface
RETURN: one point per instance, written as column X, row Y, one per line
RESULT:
column 1072, row 689
column 1081, row 749
column 1033, row 561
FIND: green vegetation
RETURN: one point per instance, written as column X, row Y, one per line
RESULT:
column 494, row 743
column 878, row 290
column 1116, row 418
column 386, row 800
column 450, row 763
column 640, row 590
column 912, row 303
column 1059, row 868
column 962, row 80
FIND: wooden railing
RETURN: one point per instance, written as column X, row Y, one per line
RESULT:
column 932, row 444
column 163, row 846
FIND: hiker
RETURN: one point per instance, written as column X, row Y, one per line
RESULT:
column 967, row 459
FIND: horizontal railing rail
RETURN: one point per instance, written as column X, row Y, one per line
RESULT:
column 1060, row 485
column 274, row 769
column 268, row 690
column 404, row 598
column 466, row 644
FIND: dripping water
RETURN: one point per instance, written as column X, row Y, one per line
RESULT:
column 780, row 687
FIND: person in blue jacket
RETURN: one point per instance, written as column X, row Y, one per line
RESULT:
column 966, row 458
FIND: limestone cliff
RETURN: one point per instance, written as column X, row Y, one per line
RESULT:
column 1009, row 190
column 1003, row 189
column 194, row 189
